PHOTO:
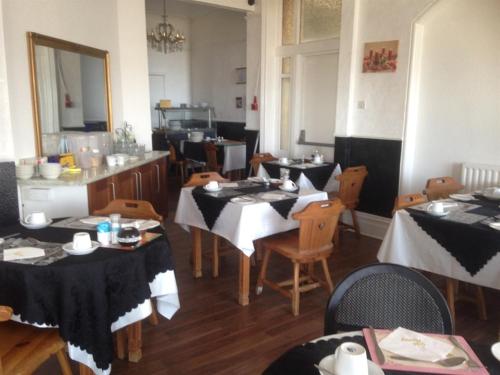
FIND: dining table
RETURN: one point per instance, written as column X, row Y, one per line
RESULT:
column 306, row 174
column 230, row 154
column 301, row 359
column 241, row 212
column 458, row 244
column 86, row 297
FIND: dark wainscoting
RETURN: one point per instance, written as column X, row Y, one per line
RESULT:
column 382, row 159
column 9, row 208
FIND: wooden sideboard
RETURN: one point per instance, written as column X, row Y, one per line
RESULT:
column 147, row 182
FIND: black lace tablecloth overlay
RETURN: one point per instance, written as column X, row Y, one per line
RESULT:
column 318, row 175
column 301, row 359
column 83, row 295
column 472, row 245
column 212, row 204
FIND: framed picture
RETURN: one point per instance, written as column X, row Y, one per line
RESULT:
column 380, row 57
column 239, row 102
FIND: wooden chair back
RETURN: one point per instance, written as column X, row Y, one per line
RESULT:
column 318, row 222
column 172, row 157
column 211, row 153
column 441, row 187
column 5, row 313
column 129, row 208
column 259, row 158
column 408, row 200
column 201, row 179
column 351, row 181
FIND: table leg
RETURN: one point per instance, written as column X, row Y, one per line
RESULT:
column 84, row 370
column 196, row 245
column 244, row 284
column 134, row 332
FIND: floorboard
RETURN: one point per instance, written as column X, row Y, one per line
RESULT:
column 212, row 334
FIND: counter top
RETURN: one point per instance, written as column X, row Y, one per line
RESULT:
column 87, row 176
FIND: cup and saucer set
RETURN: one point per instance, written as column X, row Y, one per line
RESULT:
column 81, row 244
column 349, row 358
column 36, row 220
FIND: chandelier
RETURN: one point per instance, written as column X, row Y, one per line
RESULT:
column 165, row 38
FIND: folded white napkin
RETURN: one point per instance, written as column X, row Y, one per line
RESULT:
column 415, row 345
column 229, row 184
column 22, row 253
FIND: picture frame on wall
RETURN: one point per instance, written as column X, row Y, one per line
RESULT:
column 380, row 56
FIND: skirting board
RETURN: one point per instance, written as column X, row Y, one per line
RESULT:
column 369, row 225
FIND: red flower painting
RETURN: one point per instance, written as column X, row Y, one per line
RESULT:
column 380, row 57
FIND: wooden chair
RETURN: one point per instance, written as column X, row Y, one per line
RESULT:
column 351, row 181
column 441, row 187
column 408, row 200
column 257, row 159
column 24, row 348
column 135, row 209
column 201, row 179
column 311, row 243
column 179, row 164
column 211, row 153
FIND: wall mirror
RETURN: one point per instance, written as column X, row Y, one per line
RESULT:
column 70, row 87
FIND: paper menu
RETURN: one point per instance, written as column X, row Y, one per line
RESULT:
column 22, row 253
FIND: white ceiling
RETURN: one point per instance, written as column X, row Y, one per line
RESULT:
column 185, row 8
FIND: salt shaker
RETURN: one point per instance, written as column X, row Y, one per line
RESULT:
column 115, row 227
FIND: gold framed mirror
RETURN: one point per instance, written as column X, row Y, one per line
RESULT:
column 70, row 87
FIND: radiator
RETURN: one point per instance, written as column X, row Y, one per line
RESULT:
column 479, row 176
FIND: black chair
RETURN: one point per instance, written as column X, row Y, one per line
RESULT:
column 385, row 295
column 9, row 207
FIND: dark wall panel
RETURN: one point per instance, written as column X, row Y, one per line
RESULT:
column 382, row 158
column 9, row 209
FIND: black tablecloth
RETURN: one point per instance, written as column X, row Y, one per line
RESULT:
column 318, row 175
column 472, row 245
column 211, row 205
column 83, row 295
column 301, row 359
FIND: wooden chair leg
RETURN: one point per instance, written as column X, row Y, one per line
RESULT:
column 84, row 370
column 258, row 249
column 328, row 278
column 295, row 290
column 121, row 343
column 310, row 270
column 263, row 270
column 63, row 360
column 450, row 296
column 355, row 223
column 481, row 305
column 215, row 256
column 134, row 333
column 336, row 238
column 153, row 318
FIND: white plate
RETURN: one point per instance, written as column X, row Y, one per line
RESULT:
column 275, row 181
column 213, row 190
column 462, row 197
column 282, row 188
column 495, row 225
column 329, row 360
column 35, row 226
column 68, row 247
column 243, row 200
column 495, row 350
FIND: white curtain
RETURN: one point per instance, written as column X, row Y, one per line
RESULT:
column 47, row 89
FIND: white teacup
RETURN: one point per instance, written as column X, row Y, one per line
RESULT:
column 350, row 358
column 283, row 160
column 317, row 159
column 120, row 159
column 289, row 185
column 212, row 185
column 437, row 207
column 81, row 241
column 36, row 218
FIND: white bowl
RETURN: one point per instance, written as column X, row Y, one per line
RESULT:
column 24, row 171
column 50, row 167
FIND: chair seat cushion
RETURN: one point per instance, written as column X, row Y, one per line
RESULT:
column 287, row 244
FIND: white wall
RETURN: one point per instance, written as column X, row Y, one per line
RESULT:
column 218, row 47
column 98, row 23
column 457, row 118
column 253, row 40
column 6, row 146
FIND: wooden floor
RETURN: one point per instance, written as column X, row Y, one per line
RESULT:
column 212, row 334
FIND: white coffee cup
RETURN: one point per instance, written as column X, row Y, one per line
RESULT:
column 81, row 241
column 120, row 159
column 289, row 185
column 283, row 160
column 212, row 185
column 317, row 159
column 36, row 218
column 437, row 207
column 350, row 358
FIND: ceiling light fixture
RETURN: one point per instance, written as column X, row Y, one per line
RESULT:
column 166, row 38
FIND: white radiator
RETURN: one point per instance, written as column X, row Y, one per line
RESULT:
column 479, row 176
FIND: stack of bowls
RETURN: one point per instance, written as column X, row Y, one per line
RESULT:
column 50, row 171
column 196, row 136
column 24, row 171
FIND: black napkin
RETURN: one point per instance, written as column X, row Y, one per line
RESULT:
column 284, row 206
column 209, row 206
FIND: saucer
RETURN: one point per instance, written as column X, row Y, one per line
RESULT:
column 219, row 188
column 68, row 247
column 495, row 350
column 438, row 214
column 495, row 225
column 35, row 226
column 243, row 200
column 292, row 189
column 328, row 361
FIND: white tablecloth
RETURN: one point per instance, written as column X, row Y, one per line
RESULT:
column 407, row 244
column 242, row 224
column 304, row 183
